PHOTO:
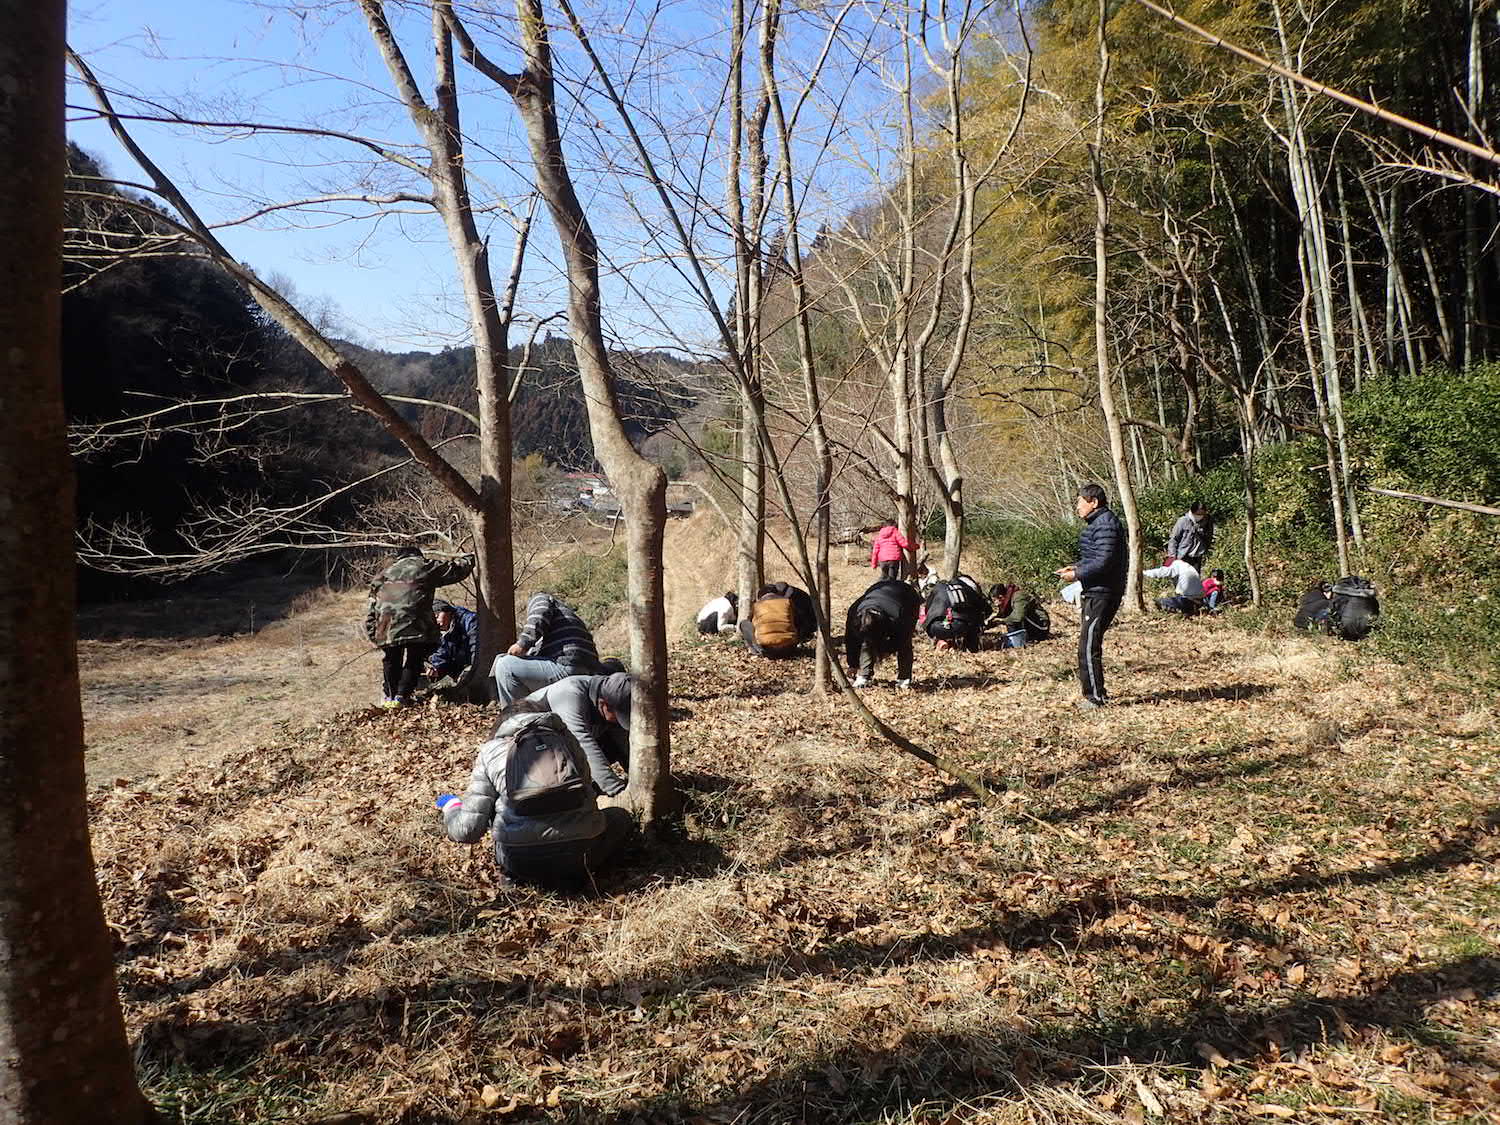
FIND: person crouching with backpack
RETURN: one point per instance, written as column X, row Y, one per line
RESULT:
column 781, row 618
column 955, row 613
column 531, row 786
column 880, row 622
column 1011, row 606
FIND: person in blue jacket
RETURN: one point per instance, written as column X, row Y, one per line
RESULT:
column 1102, row 559
column 450, row 669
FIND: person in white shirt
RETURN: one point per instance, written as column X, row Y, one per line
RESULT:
column 719, row 615
column 1188, row 598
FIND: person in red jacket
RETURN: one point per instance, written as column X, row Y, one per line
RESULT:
column 887, row 552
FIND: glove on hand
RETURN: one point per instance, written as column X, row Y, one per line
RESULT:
column 444, row 800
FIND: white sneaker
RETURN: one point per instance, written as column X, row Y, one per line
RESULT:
column 861, row 681
column 903, row 685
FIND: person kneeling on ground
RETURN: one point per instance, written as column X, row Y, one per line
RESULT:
column 530, row 782
column 400, row 617
column 880, row 622
column 1214, row 593
column 719, row 615
column 954, row 614
column 1018, row 615
column 596, row 712
column 555, row 643
column 450, row 670
column 781, row 618
column 1188, row 599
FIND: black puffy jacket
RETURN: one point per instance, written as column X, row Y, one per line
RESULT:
column 1102, row 554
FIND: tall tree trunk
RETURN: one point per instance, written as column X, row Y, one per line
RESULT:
column 63, row 1051
column 489, row 321
column 1318, row 275
column 823, row 657
column 1474, row 310
column 641, row 486
column 1248, row 444
column 1335, row 493
column 1101, row 326
column 748, row 272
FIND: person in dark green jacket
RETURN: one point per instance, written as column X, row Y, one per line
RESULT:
column 400, row 617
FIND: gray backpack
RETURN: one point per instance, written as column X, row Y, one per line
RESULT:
column 544, row 772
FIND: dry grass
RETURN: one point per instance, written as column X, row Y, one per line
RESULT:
column 1262, row 887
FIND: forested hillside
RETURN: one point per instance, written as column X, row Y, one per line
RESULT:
column 193, row 414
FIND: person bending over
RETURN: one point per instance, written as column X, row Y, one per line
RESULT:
column 1214, row 592
column 596, row 712
column 955, row 612
column 1188, row 596
column 555, row 643
column 1100, row 573
column 450, row 670
column 1011, row 608
column 880, row 622
column 400, row 618
column 781, row 619
column 720, row 615
column 530, row 786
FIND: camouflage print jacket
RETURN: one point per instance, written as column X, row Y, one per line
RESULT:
column 401, row 599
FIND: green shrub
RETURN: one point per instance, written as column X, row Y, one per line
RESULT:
column 1456, row 632
column 594, row 585
column 1022, row 552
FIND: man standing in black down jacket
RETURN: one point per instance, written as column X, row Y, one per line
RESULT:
column 1102, row 559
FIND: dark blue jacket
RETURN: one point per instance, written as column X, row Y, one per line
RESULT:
column 1102, row 554
column 456, row 650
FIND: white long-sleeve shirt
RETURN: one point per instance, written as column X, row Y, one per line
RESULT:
column 1189, row 581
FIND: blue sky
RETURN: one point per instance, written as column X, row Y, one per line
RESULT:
column 390, row 278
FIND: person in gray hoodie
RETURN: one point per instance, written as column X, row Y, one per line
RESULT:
column 557, row 839
column 596, row 711
column 1192, row 536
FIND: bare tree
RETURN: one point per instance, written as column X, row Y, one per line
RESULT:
column 490, row 309
column 62, row 1038
column 641, row 485
column 1107, row 405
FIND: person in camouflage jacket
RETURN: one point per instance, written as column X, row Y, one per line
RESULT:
column 400, row 618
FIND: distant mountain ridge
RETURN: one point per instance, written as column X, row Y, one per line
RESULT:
column 548, row 415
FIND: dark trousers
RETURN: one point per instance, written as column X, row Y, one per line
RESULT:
column 568, row 865
column 403, row 668
column 1195, row 561
column 891, row 569
column 867, row 659
column 1176, row 603
column 1099, row 607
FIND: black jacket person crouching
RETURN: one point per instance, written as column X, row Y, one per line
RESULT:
column 881, row 621
column 955, row 613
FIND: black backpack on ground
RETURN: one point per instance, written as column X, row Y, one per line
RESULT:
column 1312, row 611
column 1037, row 622
column 1354, row 610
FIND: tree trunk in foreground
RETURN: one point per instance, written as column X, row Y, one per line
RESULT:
column 1101, row 331
column 63, row 1051
column 642, row 486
